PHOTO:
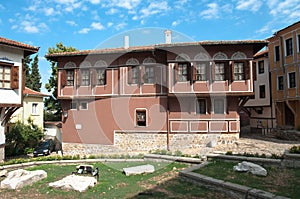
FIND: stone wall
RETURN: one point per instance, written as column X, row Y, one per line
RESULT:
column 135, row 143
column 2, row 152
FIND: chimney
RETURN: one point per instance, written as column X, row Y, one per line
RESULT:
column 168, row 36
column 126, row 42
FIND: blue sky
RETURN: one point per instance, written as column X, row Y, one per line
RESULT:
column 90, row 24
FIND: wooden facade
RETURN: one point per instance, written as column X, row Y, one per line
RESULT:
column 186, row 88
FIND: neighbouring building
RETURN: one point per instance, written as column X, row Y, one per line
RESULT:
column 261, row 109
column 176, row 96
column 12, row 84
column 33, row 108
column 284, row 56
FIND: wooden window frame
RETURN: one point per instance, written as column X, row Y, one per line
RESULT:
column 218, row 74
column 70, row 77
column 292, row 79
column 139, row 120
column 289, row 47
column 261, row 67
column 133, row 75
column 223, row 102
column 101, row 76
column 276, row 53
column 149, row 73
column 239, row 71
column 82, row 107
column 13, row 81
column 198, row 107
column 85, row 77
column 262, row 91
column 201, row 70
column 280, row 83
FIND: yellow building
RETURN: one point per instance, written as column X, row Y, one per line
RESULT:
column 33, row 108
column 284, row 55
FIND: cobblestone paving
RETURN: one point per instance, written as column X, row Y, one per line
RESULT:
column 256, row 143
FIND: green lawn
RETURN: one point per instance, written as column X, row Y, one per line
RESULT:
column 284, row 182
column 163, row 183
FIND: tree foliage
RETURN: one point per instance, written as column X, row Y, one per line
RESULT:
column 26, row 62
column 22, row 137
column 32, row 73
column 52, row 105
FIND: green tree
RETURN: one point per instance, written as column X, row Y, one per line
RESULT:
column 35, row 75
column 52, row 105
column 26, row 62
column 22, row 137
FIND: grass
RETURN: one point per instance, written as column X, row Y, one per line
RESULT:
column 163, row 183
column 284, row 182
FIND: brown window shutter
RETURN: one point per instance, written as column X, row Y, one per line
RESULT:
column 254, row 70
column 158, row 74
column 194, row 72
column 141, row 74
column 247, row 70
column 232, row 70
column 63, row 78
column 93, row 77
column 129, row 75
column 208, row 105
column 78, row 77
column 213, row 71
column 175, row 72
column 208, row 70
column 14, row 77
column 227, row 71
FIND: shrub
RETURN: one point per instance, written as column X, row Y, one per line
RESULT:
column 295, row 149
column 178, row 153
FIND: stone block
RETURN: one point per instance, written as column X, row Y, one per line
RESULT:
column 256, row 193
column 139, row 170
column 74, row 182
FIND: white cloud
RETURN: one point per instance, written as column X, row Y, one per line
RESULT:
column 97, row 26
column 283, row 7
column 94, row 1
column 49, row 11
column 109, row 24
column 84, row 31
column 212, row 11
column 71, row 23
column 127, row 4
column 252, row 5
column 175, row 23
column 112, row 11
column 120, row 26
column 154, row 8
column 29, row 27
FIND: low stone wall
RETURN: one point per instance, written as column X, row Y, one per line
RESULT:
column 135, row 143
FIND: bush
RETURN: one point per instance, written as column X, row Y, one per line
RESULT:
column 295, row 149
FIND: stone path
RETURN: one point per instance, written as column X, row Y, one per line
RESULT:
column 255, row 143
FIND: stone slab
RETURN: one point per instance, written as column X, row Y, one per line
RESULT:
column 74, row 182
column 139, row 170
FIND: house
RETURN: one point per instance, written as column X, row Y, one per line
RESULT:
column 33, row 108
column 173, row 96
column 12, row 54
column 284, row 56
column 260, row 108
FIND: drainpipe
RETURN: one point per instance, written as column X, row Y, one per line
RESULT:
column 168, row 109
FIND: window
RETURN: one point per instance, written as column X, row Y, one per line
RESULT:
column 219, row 106
column 34, row 109
column 298, row 43
column 292, row 80
column 200, row 71
column 239, row 71
column 182, row 72
column 85, row 77
column 70, row 77
column 289, row 46
column 277, row 53
column 73, row 105
column 133, row 75
column 83, row 106
column 141, row 117
column 149, row 75
column 101, row 76
column 261, row 67
column 280, row 83
column 262, row 91
column 201, row 106
column 5, row 76
column 219, row 71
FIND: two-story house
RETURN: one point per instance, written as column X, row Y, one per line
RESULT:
column 12, row 54
column 284, row 55
column 32, row 109
column 179, row 96
column 260, row 108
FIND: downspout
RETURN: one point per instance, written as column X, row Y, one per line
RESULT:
column 168, row 108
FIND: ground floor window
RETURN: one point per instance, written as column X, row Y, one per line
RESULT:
column 219, row 107
column 262, row 91
column 141, row 119
column 201, row 106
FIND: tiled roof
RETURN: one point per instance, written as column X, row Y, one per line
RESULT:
column 24, row 46
column 31, row 92
column 260, row 53
column 152, row 47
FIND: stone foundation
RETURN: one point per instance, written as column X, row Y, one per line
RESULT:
column 2, row 153
column 135, row 143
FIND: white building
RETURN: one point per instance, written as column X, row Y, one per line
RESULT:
column 12, row 82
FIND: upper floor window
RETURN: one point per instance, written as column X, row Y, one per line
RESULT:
column 5, row 76
column 34, row 109
column 292, row 80
column 261, row 67
column 101, row 76
column 219, row 107
column 219, row 71
column 201, row 106
column 280, row 82
column 289, row 46
column 183, row 72
column 277, row 53
column 73, row 105
column 85, row 77
column 70, row 77
column 149, row 75
column 239, row 71
column 201, row 71
column 133, row 75
column 262, row 91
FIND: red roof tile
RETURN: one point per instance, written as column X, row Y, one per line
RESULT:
column 28, row 48
column 31, row 92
